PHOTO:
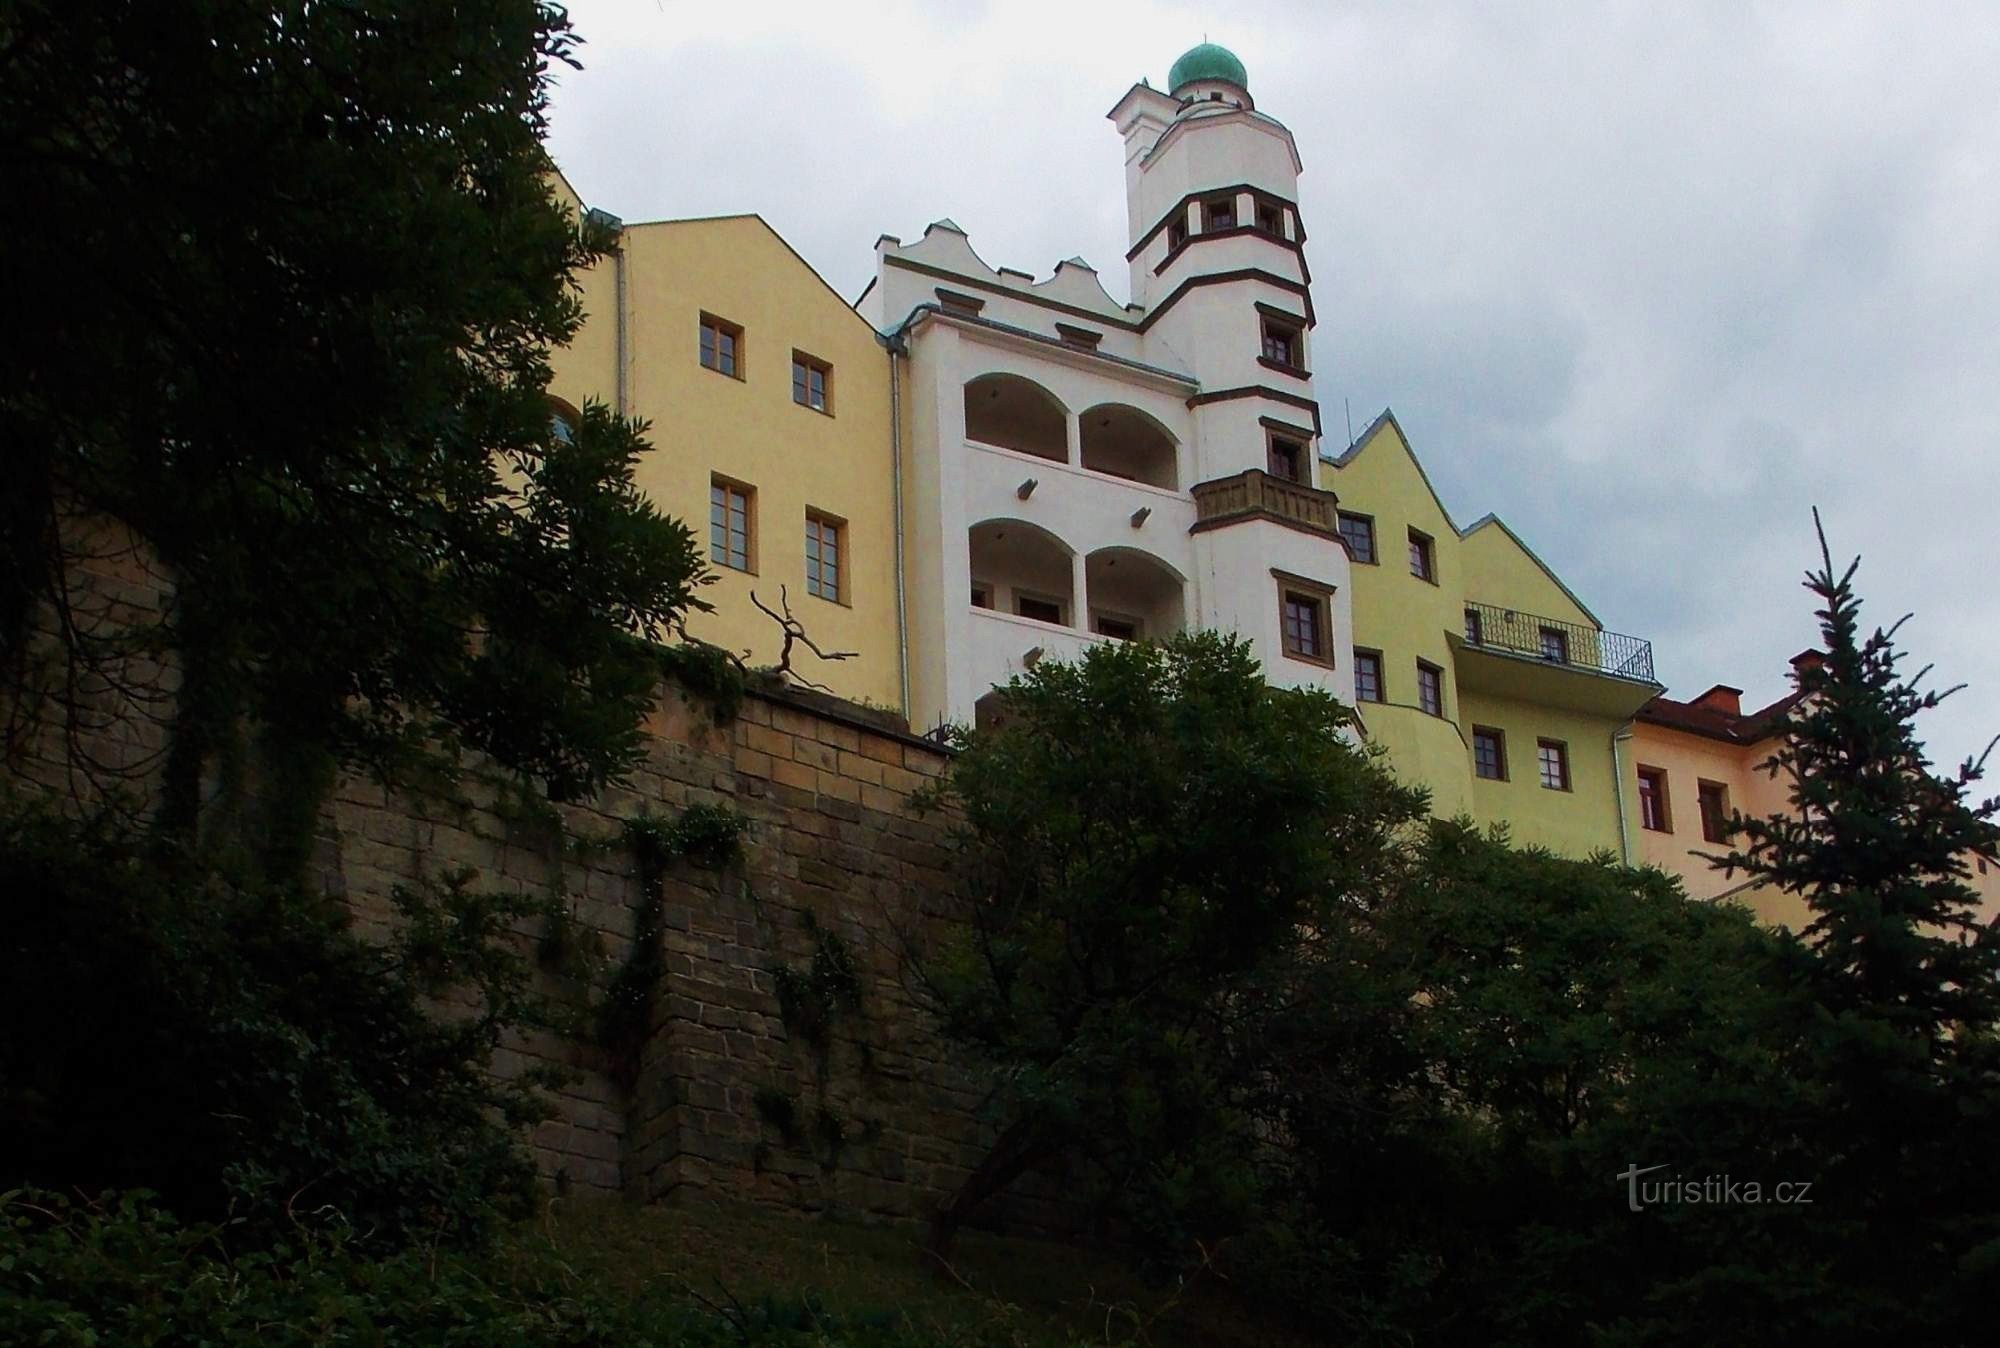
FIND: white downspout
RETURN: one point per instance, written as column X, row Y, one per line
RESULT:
column 895, row 345
column 620, row 304
column 1618, row 738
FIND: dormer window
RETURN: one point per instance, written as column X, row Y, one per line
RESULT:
column 960, row 303
column 1218, row 213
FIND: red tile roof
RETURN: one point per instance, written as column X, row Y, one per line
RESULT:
column 1729, row 727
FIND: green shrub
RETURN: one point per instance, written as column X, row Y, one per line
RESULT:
column 125, row 1272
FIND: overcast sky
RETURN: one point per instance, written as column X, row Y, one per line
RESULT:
column 1648, row 281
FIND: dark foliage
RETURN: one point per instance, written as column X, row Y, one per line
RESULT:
column 129, row 1273
column 1155, row 836
column 236, row 1049
column 283, row 280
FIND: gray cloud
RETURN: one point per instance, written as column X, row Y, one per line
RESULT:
column 1648, row 281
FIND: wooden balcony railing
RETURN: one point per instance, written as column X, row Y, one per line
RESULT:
column 1255, row 494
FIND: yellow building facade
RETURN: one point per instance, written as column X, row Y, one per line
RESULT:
column 1492, row 684
column 769, row 411
column 1694, row 765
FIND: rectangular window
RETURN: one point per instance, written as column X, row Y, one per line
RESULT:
column 1475, row 627
column 1118, row 629
column 729, row 524
column 1281, row 343
column 1177, row 231
column 721, row 346
column 1218, row 213
column 1552, row 757
column 1286, row 458
column 1653, row 800
column 812, row 383
column 823, row 555
column 1368, row 676
column 1714, row 800
column 1271, row 218
column 1430, row 688
column 982, row 594
column 1303, row 616
column 1041, row 610
column 1359, row 531
column 1555, row 645
column 1489, row 753
column 1423, row 561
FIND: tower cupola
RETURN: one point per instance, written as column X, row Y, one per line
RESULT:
column 1209, row 74
column 1207, row 62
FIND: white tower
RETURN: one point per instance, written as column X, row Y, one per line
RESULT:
column 1218, row 262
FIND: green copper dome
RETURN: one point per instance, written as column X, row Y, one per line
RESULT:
column 1207, row 62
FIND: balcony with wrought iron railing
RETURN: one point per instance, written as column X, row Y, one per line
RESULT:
column 1512, row 653
column 1255, row 494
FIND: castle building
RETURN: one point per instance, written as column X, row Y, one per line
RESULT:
column 1010, row 469
column 1081, row 470
column 768, row 398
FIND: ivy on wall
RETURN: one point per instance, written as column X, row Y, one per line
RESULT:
column 709, row 836
column 813, row 999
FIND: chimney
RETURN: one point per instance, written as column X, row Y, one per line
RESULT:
column 1811, row 658
column 1722, row 698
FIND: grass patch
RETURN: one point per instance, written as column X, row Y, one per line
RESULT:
column 999, row 1293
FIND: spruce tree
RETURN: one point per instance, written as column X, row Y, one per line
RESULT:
column 1899, row 978
column 1878, row 844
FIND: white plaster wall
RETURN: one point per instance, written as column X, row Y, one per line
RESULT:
column 1207, row 151
column 995, row 648
column 1086, row 510
column 1240, row 594
column 1216, row 333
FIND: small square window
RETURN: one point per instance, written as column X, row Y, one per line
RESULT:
column 1271, row 218
column 1555, row 645
column 1653, row 801
column 1552, row 759
column 1713, row 798
column 1218, row 213
column 1303, row 618
column 1430, row 688
column 1359, row 531
column 812, row 383
column 721, row 346
column 1368, row 676
column 1423, row 560
column 982, row 594
column 1489, row 753
column 960, row 303
column 729, row 524
column 1118, row 629
column 1285, row 458
column 1283, row 343
column 1041, row 610
column 824, row 556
